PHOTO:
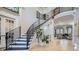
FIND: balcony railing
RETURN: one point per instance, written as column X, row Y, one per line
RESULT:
column 13, row 9
column 62, row 9
column 43, row 16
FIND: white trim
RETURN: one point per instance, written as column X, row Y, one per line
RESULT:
column 64, row 14
column 7, row 17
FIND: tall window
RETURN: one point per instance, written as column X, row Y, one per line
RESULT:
column 37, row 15
column 44, row 16
column 41, row 16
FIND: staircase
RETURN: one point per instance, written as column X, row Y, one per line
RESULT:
column 18, row 44
column 34, row 27
column 16, row 41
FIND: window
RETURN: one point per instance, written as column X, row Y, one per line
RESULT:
column 69, row 30
column 61, row 31
column 44, row 16
column 37, row 15
column 57, row 31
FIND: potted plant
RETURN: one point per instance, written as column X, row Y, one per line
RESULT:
column 45, row 39
column 41, row 37
column 39, row 33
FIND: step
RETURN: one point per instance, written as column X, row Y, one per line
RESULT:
column 24, row 35
column 20, row 40
column 17, row 46
column 23, row 38
column 29, row 46
column 29, row 42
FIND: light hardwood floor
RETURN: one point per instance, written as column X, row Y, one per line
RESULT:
column 55, row 45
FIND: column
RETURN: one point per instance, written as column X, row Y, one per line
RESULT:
column 76, row 30
column 52, row 29
column 3, row 42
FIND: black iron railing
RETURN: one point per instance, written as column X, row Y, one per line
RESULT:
column 35, row 26
column 58, row 10
column 12, row 35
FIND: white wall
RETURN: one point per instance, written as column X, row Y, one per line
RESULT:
column 64, row 14
column 65, row 22
column 28, row 17
column 6, row 14
column 48, row 28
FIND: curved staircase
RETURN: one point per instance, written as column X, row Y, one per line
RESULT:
column 16, row 41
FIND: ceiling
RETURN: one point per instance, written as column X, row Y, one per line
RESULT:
column 64, row 20
column 44, row 10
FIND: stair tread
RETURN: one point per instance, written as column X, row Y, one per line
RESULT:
column 24, row 35
column 17, row 48
column 18, row 44
column 20, row 40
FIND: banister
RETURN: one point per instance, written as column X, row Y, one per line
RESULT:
column 11, row 35
column 58, row 10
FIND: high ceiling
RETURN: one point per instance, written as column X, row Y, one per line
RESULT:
column 44, row 10
column 64, row 20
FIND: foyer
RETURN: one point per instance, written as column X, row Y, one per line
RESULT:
column 39, row 28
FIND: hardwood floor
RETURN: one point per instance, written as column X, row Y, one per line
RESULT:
column 54, row 45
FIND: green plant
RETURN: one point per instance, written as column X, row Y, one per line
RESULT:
column 45, row 39
column 39, row 33
column 40, row 36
